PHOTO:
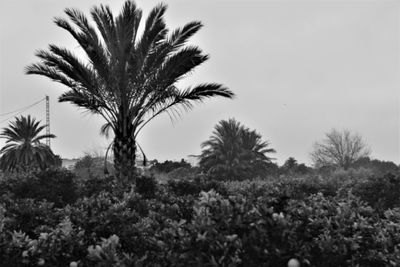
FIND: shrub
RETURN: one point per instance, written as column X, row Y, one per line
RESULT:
column 54, row 185
column 168, row 166
column 186, row 172
column 94, row 185
column 343, row 232
column 184, row 187
column 57, row 185
column 146, row 186
column 207, row 223
column 194, row 187
column 382, row 193
column 56, row 247
column 28, row 215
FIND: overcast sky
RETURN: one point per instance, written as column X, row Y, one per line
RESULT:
column 298, row 69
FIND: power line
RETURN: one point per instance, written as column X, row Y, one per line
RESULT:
column 21, row 110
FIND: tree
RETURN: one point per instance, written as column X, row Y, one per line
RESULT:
column 126, row 78
column 234, row 152
column 168, row 166
column 291, row 166
column 339, row 149
column 86, row 162
column 23, row 149
column 378, row 167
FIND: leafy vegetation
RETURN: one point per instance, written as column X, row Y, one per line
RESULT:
column 203, row 223
column 24, row 150
column 234, row 152
column 168, row 166
column 126, row 78
column 292, row 167
column 238, row 208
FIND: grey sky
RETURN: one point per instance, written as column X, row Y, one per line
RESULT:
column 298, row 68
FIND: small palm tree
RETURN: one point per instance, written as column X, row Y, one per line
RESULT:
column 23, row 149
column 234, row 152
column 128, row 78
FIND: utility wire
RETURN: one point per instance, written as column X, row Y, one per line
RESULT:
column 31, row 105
column 21, row 110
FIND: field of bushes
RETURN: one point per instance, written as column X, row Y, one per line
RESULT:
column 55, row 218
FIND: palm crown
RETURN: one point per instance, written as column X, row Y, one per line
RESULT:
column 128, row 78
column 23, row 149
column 234, row 152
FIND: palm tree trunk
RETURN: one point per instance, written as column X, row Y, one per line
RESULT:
column 124, row 157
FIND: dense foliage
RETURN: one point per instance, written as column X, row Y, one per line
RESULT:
column 321, row 221
column 24, row 149
column 90, row 166
column 224, row 213
column 169, row 165
column 234, row 152
column 377, row 167
column 127, row 76
column 292, row 167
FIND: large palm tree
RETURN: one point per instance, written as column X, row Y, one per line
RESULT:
column 234, row 152
column 128, row 78
column 23, row 149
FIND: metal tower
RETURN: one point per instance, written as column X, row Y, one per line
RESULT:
column 47, row 120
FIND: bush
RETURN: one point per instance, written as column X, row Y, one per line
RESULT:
column 187, row 173
column 28, row 215
column 206, row 223
column 55, row 247
column 146, row 186
column 94, row 185
column 168, row 166
column 343, row 232
column 184, row 187
column 54, row 185
column 58, row 186
column 194, row 187
column 382, row 193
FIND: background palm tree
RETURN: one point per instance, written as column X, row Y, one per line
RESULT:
column 234, row 152
column 23, row 149
column 128, row 79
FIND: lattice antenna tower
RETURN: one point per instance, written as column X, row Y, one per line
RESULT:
column 47, row 120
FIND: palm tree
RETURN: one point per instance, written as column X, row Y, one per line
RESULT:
column 128, row 78
column 23, row 149
column 234, row 152
column 290, row 165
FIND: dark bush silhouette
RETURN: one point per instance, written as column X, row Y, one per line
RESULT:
column 54, row 185
column 378, row 167
column 146, row 186
column 168, row 166
column 382, row 193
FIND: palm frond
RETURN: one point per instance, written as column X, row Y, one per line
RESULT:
column 23, row 148
column 154, row 32
column 82, row 99
column 206, row 90
column 50, row 72
column 178, row 65
column 127, row 24
column 234, row 151
column 126, row 78
column 105, row 129
column 89, row 42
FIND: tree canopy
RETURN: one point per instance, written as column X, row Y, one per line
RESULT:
column 235, row 152
column 24, row 150
column 127, row 77
column 340, row 149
